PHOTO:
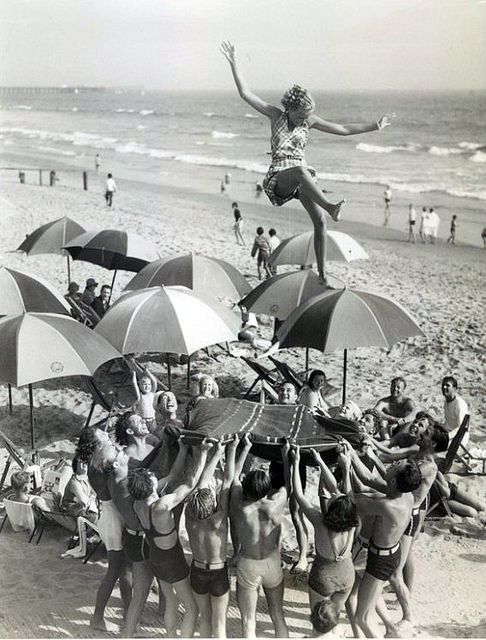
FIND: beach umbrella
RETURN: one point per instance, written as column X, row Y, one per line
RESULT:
column 203, row 274
column 42, row 346
column 20, row 293
column 344, row 319
column 51, row 238
column 167, row 320
column 113, row 249
column 299, row 249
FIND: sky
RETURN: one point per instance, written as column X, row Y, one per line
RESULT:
column 174, row 44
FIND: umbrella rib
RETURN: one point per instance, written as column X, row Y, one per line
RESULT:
column 19, row 291
column 372, row 313
column 130, row 323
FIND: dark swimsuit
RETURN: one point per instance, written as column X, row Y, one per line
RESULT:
column 382, row 562
column 206, row 580
column 168, row 565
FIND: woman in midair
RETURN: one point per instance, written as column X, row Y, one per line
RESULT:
column 289, row 176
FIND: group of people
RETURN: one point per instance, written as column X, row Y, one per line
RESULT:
column 263, row 247
column 429, row 225
column 135, row 480
column 88, row 304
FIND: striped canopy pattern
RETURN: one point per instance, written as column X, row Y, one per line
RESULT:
column 51, row 237
column 20, row 292
column 299, row 249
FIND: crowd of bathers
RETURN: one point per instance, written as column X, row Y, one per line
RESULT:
column 142, row 479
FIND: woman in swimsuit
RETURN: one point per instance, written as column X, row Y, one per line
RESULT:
column 289, row 176
column 332, row 574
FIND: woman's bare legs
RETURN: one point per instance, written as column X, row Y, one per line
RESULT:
column 318, row 218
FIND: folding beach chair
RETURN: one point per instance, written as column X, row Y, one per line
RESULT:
column 474, row 463
column 82, row 312
column 456, row 446
column 287, row 373
column 20, row 515
column 26, row 462
column 438, row 503
column 263, row 374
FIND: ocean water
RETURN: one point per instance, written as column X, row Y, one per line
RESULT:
column 436, row 144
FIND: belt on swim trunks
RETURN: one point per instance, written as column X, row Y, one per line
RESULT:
column 132, row 532
column 415, row 511
column 209, row 566
column 383, row 552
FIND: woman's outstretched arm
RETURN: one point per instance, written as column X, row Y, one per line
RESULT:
column 350, row 129
column 228, row 50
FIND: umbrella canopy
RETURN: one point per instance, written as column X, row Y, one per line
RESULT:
column 51, row 237
column 202, row 274
column 21, row 292
column 299, row 249
column 41, row 346
column 167, row 320
column 347, row 318
column 280, row 295
column 113, row 249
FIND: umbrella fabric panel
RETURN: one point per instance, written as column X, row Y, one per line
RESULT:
column 307, row 326
column 269, row 424
column 299, row 249
column 395, row 321
column 51, row 237
column 20, row 292
column 237, row 279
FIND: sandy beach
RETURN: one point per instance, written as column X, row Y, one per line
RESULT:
column 442, row 286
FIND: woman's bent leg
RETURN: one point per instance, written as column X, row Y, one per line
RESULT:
column 318, row 219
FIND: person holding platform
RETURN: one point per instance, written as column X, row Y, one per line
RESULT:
column 289, row 176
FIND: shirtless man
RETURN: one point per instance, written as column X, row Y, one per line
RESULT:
column 131, row 432
column 95, row 447
column 155, row 510
column 207, row 529
column 258, row 512
column 391, row 504
column 395, row 409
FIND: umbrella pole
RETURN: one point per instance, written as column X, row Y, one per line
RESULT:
column 188, row 370
column 168, row 370
column 345, row 370
column 112, row 285
column 31, row 402
column 306, row 362
column 68, row 269
column 10, row 410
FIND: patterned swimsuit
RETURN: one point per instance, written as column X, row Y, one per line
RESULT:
column 288, row 149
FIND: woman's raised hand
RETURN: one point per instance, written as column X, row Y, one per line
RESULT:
column 228, row 50
column 385, row 120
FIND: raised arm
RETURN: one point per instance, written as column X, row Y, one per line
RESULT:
column 229, row 474
column 178, row 466
column 210, row 468
column 135, row 385
column 315, row 122
column 229, row 52
column 327, row 482
column 305, row 505
column 171, row 500
column 364, row 474
column 242, row 457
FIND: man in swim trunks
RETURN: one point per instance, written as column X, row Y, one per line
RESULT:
column 391, row 504
column 258, row 510
column 207, row 529
column 396, row 409
column 155, row 509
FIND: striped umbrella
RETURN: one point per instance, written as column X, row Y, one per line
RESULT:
column 42, row 346
column 203, row 274
column 167, row 320
column 21, row 292
column 113, row 249
column 51, row 238
column 299, row 249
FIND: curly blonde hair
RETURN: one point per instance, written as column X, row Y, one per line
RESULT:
column 298, row 98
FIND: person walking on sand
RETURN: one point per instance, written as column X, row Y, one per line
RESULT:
column 423, row 222
column 412, row 216
column 110, row 189
column 289, row 176
column 387, row 196
column 261, row 249
column 237, row 227
column 273, row 241
column 452, row 238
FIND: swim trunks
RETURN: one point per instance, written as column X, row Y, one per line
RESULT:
column 327, row 577
column 382, row 562
column 110, row 525
column 168, row 565
column 268, row 573
column 135, row 545
column 413, row 525
column 207, row 580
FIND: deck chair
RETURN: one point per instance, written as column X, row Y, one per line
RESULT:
column 475, row 464
column 287, row 373
column 24, row 461
column 263, row 374
column 82, row 312
column 456, row 446
column 437, row 501
column 20, row 515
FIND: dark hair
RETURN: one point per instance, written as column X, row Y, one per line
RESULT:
column 201, row 504
column 272, row 232
column 376, row 417
column 19, row 479
column 408, row 477
column 87, row 443
column 256, row 484
column 105, row 286
column 140, row 483
column 234, row 204
column 425, row 414
column 450, row 379
column 121, row 428
column 75, row 461
column 441, row 438
column 399, row 379
column 259, row 230
column 324, row 616
column 314, row 374
column 109, row 176
column 341, row 514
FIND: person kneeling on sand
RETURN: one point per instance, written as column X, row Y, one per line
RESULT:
column 332, row 574
column 155, row 509
column 207, row 528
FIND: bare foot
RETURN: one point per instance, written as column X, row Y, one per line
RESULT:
column 324, row 282
column 335, row 211
column 392, row 632
column 299, row 567
column 103, row 625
